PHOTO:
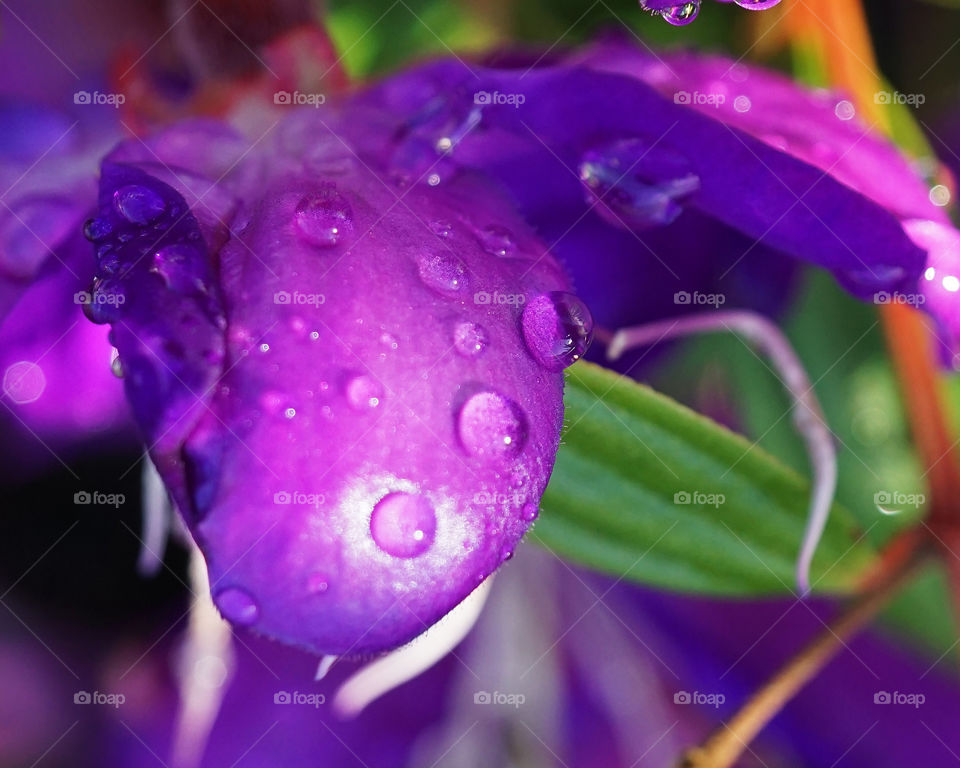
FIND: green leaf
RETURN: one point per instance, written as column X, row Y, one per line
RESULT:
column 612, row 503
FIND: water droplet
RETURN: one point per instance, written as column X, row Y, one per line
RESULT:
column 497, row 240
column 115, row 364
column 289, row 413
column 756, row 5
column 138, row 204
column 681, row 15
column 314, row 335
column 364, row 392
column 97, row 229
column 491, row 425
column 177, row 265
column 324, row 217
column 530, row 512
column 403, row 524
column 742, row 103
column 389, row 340
column 470, row 339
column 557, row 328
column 317, row 583
column 24, row 382
column 445, row 274
column 264, row 347
column 441, row 228
column 237, row 606
column 635, row 184
column 433, row 179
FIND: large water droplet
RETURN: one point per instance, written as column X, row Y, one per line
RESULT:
column 138, row 204
column 97, row 229
column 636, row 184
column 491, row 425
column 364, row 392
column 470, row 339
column 681, row 15
column 403, row 524
column 557, row 328
column 324, row 217
column 237, row 606
column 444, row 273
column 116, row 365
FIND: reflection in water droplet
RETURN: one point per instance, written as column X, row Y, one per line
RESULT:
column 403, row 524
column 557, row 328
column 116, row 366
column 491, row 425
column 681, row 15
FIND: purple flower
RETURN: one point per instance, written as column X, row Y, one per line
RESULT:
column 342, row 337
column 353, row 397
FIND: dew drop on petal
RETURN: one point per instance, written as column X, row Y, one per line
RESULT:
column 116, row 366
column 756, row 5
column 491, row 425
column 237, row 606
column 97, row 229
column 443, row 273
column 497, row 240
column 632, row 183
column 364, row 392
column 324, row 217
column 557, row 329
column 470, row 339
column 138, row 204
column 403, row 524
column 317, row 583
column 681, row 15
column 530, row 512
